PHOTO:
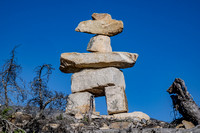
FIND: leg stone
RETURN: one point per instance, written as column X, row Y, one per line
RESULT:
column 116, row 100
column 79, row 103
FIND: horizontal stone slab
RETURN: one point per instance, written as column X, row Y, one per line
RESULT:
column 74, row 62
column 108, row 27
column 95, row 80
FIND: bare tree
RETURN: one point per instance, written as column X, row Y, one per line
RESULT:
column 42, row 96
column 10, row 83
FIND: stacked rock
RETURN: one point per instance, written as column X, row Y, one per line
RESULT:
column 98, row 73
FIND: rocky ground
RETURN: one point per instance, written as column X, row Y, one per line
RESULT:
column 60, row 122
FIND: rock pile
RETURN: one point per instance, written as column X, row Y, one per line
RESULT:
column 98, row 73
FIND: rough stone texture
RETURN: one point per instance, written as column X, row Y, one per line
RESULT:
column 105, row 126
column 139, row 115
column 121, row 125
column 67, row 123
column 78, row 103
column 116, row 99
column 54, row 125
column 95, row 80
column 99, row 43
column 188, row 124
column 74, row 62
column 78, row 116
column 93, row 116
column 108, row 27
column 100, row 16
column 96, row 113
column 19, row 115
column 170, row 130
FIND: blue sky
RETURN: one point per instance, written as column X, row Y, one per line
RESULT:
column 165, row 34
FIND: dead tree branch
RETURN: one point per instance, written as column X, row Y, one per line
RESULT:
column 183, row 102
column 43, row 97
column 10, row 83
column 9, row 127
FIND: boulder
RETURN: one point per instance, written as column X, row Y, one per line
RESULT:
column 74, row 62
column 132, row 115
column 188, row 124
column 54, row 125
column 99, row 43
column 116, row 100
column 180, row 126
column 76, row 125
column 105, row 126
column 100, row 16
column 78, row 103
column 79, row 116
column 107, row 27
column 21, row 117
column 95, row 80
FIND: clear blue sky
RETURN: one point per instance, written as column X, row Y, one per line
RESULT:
column 165, row 34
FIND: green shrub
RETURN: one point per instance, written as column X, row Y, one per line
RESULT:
column 5, row 113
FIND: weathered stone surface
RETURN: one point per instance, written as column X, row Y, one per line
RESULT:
column 93, row 116
column 96, row 113
column 74, row 62
column 79, row 116
column 19, row 115
column 76, row 125
column 188, row 124
column 95, row 80
column 55, row 125
column 132, row 115
column 78, row 103
column 107, row 116
column 108, row 27
column 99, row 43
column 121, row 125
column 100, row 16
column 116, row 100
column 105, row 126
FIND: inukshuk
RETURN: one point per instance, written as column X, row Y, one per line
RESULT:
column 98, row 73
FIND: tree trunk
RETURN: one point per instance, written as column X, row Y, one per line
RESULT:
column 6, row 96
column 183, row 101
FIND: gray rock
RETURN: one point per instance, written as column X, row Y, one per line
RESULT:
column 74, row 62
column 107, row 131
column 161, row 130
column 116, row 100
column 78, row 103
column 108, row 27
column 121, row 125
column 95, row 80
column 99, row 43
